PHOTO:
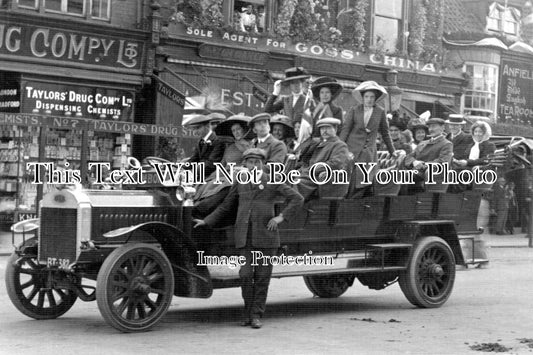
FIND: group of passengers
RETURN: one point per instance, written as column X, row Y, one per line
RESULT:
column 302, row 126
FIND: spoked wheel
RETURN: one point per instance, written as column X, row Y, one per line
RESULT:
column 430, row 275
column 134, row 288
column 329, row 286
column 29, row 290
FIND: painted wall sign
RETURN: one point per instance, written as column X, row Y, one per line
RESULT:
column 9, row 97
column 69, row 46
column 267, row 44
column 87, row 101
column 233, row 54
column 26, row 119
column 516, row 92
column 170, row 92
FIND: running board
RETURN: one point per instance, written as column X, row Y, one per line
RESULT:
column 374, row 258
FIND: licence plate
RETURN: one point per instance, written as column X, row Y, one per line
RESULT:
column 57, row 262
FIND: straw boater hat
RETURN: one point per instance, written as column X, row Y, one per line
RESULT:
column 328, row 82
column 328, row 121
column 259, row 117
column 455, row 119
column 254, row 153
column 285, row 121
column 224, row 128
column 380, row 91
column 296, row 73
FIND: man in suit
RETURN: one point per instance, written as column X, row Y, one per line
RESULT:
column 276, row 150
column 437, row 149
column 209, row 149
column 461, row 141
column 500, row 205
column 294, row 103
column 256, row 230
column 331, row 150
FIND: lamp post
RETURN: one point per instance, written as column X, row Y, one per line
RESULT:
column 395, row 93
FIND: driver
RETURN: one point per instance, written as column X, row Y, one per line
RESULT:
column 256, row 230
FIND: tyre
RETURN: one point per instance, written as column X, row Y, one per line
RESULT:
column 428, row 280
column 29, row 290
column 329, row 286
column 134, row 287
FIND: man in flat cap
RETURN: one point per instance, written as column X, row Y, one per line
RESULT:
column 294, row 99
column 276, row 150
column 436, row 149
column 461, row 141
column 331, row 150
column 209, row 149
column 256, row 230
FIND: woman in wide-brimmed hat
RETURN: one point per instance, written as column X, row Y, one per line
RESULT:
column 361, row 126
column 419, row 129
column 325, row 90
column 282, row 129
column 236, row 127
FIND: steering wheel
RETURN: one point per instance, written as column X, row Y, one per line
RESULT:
column 157, row 160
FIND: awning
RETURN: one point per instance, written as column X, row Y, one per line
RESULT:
column 65, row 72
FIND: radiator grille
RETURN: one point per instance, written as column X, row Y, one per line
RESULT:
column 57, row 234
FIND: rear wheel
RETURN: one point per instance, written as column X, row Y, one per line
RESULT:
column 31, row 291
column 134, row 288
column 428, row 280
column 329, row 286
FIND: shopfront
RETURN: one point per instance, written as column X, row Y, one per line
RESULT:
column 237, row 72
column 68, row 96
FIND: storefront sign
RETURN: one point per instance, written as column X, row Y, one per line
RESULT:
column 87, row 101
column 170, row 92
column 516, row 92
column 21, row 119
column 69, row 46
column 9, row 97
column 262, row 45
column 232, row 54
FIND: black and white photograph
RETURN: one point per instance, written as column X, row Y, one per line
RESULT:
column 266, row 176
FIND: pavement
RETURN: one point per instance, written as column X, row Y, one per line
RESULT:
column 517, row 240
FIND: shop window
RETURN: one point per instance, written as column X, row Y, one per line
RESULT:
column 480, row 96
column 101, row 9
column 388, row 24
column 250, row 16
column 70, row 7
column 345, row 5
column 28, row 4
column 503, row 19
column 98, row 9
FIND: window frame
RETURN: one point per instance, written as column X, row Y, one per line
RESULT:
column 502, row 17
column 401, row 44
column 64, row 9
column 472, row 93
column 108, row 11
column 36, row 4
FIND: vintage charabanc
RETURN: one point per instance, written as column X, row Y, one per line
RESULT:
column 140, row 248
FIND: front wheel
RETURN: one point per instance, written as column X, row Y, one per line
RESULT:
column 134, row 287
column 31, row 291
column 329, row 286
column 428, row 280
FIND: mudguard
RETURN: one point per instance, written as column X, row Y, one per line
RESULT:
column 191, row 280
column 409, row 232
